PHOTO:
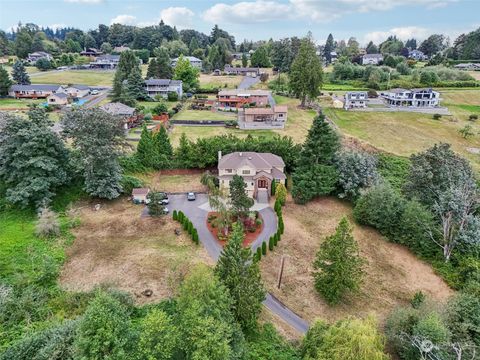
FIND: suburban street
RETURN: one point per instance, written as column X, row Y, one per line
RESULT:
column 194, row 210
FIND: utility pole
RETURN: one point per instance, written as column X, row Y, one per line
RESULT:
column 280, row 274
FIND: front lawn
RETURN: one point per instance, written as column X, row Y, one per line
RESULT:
column 9, row 103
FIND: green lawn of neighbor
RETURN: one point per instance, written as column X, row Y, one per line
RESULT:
column 84, row 77
column 9, row 103
column 198, row 115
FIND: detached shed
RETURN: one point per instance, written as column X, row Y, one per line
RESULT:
column 139, row 195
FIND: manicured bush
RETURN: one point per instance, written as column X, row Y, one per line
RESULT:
column 281, row 225
column 264, row 248
column 277, row 207
column 270, row 244
column 275, row 240
column 259, row 254
column 281, row 193
column 174, row 215
column 195, row 237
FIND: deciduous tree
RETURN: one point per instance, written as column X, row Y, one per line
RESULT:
column 187, row 73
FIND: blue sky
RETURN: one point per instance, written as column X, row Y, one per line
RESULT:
column 260, row 19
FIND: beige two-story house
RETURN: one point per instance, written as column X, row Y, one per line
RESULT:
column 258, row 170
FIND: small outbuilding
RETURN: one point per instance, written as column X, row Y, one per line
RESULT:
column 139, row 195
column 57, row 99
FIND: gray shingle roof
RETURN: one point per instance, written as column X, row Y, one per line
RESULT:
column 162, row 82
column 60, row 95
column 35, row 87
column 258, row 161
column 80, row 87
column 118, row 109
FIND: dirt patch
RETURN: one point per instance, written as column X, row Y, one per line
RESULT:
column 393, row 273
column 174, row 182
column 114, row 246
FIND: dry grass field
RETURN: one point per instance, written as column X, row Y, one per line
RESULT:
column 115, row 246
column 211, row 81
column 173, row 183
column 393, row 273
column 85, row 77
column 404, row 133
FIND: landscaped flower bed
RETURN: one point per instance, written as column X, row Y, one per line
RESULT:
column 253, row 226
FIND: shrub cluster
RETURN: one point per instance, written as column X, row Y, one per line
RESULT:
column 187, row 225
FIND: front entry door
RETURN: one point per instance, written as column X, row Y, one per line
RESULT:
column 262, row 184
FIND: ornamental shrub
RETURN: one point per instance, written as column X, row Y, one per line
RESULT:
column 264, row 248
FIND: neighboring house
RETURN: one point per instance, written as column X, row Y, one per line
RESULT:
column 333, row 56
column 468, row 66
column 127, row 113
column 412, row 98
column 59, row 99
column 139, row 195
column 162, row 87
column 195, row 62
column 356, row 99
column 244, row 71
column 119, row 49
column 34, row 91
column 33, row 57
column 75, row 91
column 237, row 98
column 372, row 59
column 90, row 52
column 258, row 170
column 417, row 55
column 337, row 102
column 255, row 118
column 106, row 62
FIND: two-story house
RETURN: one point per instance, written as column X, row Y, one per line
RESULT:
column 37, row 55
column 412, row 98
column 162, row 87
column 372, row 59
column 417, row 55
column 237, row 98
column 355, row 99
column 105, row 62
column 195, row 62
column 258, row 170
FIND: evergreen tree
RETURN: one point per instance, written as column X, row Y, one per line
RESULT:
column 163, row 149
column 270, row 243
column 338, row 265
column 19, row 74
column 135, row 86
column 164, row 66
column 244, row 60
column 260, row 58
column 241, row 275
column 193, row 45
column 152, row 69
column 155, row 206
column 264, row 248
column 5, row 82
column 328, row 48
column 127, row 64
column 316, row 173
column 371, row 48
column 183, row 153
column 306, row 72
column 241, row 202
column 146, row 149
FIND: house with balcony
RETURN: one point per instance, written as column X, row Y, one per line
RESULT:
column 355, row 99
column 239, row 98
column 105, row 62
column 195, row 62
column 263, row 118
column 37, row 55
column 161, row 87
column 372, row 59
column 416, row 98
column 33, row 91
column 258, row 170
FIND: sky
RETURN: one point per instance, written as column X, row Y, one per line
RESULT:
column 260, row 19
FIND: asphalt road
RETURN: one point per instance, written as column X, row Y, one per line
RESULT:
column 198, row 217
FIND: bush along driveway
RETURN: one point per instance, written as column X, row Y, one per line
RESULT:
column 197, row 212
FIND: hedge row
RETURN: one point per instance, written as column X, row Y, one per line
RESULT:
column 275, row 238
column 187, row 225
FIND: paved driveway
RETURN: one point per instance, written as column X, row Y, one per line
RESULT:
column 247, row 82
column 197, row 212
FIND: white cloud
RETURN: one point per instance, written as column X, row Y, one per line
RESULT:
column 85, row 1
column 181, row 17
column 124, row 20
column 314, row 10
column 247, row 12
column 403, row 33
column 57, row 26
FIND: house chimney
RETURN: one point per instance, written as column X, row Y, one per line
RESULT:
column 219, row 155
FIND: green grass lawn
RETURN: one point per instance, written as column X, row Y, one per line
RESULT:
column 342, row 87
column 9, row 103
column 198, row 115
column 85, row 77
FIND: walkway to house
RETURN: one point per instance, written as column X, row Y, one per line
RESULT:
column 197, row 212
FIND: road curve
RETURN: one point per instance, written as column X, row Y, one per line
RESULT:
column 198, row 217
